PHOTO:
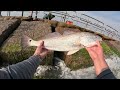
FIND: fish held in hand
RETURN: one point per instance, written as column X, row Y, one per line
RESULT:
column 69, row 41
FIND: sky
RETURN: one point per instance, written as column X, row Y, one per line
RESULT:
column 111, row 18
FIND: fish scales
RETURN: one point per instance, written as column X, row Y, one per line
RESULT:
column 69, row 41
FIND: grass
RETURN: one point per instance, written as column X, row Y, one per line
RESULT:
column 78, row 60
column 12, row 51
column 110, row 50
column 107, row 50
column 14, row 54
column 116, row 51
column 12, row 48
column 81, row 59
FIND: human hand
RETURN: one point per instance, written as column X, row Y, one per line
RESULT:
column 96, row 52
column 97, row 55
column 41, row 51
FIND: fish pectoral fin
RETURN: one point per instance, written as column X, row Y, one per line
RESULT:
column 72, row 52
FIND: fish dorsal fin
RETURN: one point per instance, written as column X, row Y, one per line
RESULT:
column 72, row 52
column 51, row 35
column 68, row 32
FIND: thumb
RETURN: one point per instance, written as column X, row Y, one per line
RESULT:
column 40, row 46
column 98, row 43
column 88, row 48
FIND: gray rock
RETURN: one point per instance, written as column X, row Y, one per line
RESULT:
column 86, row 73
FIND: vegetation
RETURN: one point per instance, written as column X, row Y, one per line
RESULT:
column 82, row 59
column 12, row 52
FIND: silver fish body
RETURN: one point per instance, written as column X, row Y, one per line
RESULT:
column 69, row 41
column 63, row 43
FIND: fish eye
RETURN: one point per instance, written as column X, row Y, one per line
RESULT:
column 30, row 40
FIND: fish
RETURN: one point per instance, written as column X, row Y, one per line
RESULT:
column 69, row 41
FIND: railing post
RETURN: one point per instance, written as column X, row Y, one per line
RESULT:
column 22, row 13
column 9, row 13
column 57, row 53
column 36, row 14
column 31, row 13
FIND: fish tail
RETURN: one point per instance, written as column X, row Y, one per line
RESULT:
column 25, row 41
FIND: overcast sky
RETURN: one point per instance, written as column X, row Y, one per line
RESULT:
column 111, row 18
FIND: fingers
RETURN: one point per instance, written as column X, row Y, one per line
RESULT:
column 41, row 44
column 91, row 48
column 88, row 48
column 99, row 45
column 40, row 50
column 44, row 53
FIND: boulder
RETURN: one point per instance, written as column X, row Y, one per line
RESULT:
column 12, row 49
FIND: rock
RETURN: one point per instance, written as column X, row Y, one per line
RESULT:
column 6, row 28
column 115, row 44
column 12, row 47
column 51, row 22
column 61, row 29
column 86, row 73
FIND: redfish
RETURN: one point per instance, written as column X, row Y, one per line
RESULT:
column 69, row 41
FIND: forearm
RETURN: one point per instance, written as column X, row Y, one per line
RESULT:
column 102, row 70
column 100, row 65
column 24, row 69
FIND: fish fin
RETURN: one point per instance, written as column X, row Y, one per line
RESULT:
column 51, row 35
column 68, row 32
column 92, row 44
column 25, row 41
column 72, row 52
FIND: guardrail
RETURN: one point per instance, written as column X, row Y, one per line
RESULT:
column 84, row 21
column 89, row 23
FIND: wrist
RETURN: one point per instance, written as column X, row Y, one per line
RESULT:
column 100, row 65
column 38, row 56
column 98, row 60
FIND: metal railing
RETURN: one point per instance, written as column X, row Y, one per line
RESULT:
column 84, row 21
column 88, row 22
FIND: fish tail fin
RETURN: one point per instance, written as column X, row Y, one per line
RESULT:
column 25, row 41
